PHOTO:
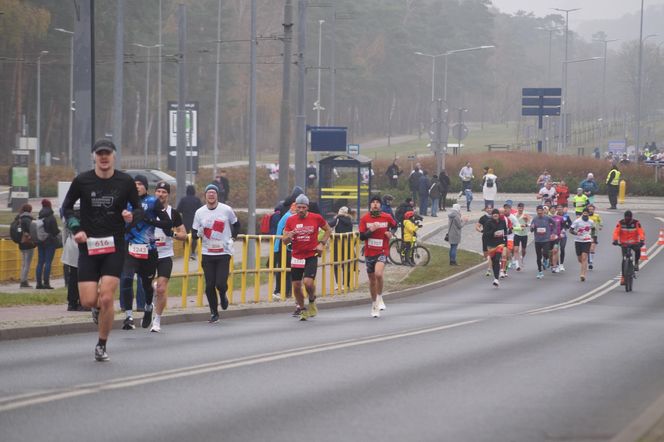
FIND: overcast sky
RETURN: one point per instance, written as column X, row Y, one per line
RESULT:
column 591, row 9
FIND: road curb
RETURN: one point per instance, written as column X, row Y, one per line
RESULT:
column 646, row 422
column 87, row 327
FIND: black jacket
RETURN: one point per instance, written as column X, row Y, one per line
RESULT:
column 50, row 225
column 26, row 219
column 342, row 224
column 187, row 207
column 444, row 182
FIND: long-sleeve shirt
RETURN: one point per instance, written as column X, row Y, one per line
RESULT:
column 542, row 227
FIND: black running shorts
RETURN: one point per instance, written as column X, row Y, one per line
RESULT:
column 92, row 268
column 143, row 267
column 582, row 247
column 521, row 241
column 164, row 267
column 309, row 270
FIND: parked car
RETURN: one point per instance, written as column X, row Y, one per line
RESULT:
column 153, row 176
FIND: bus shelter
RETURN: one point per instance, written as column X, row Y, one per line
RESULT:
column 343, row 181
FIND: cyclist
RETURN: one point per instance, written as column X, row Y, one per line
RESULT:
column 301, row 231
column 494, row 234
column 629, row 234
column 598, row 226
column 582, row 228
column 375, row 231
column 520, row 236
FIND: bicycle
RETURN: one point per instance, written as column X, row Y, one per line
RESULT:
column 419, row 255
column 628, row 272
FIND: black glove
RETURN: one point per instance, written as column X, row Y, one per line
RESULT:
column 642, row 243
column 616, row 243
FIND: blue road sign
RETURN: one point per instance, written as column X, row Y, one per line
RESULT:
column 540, row 101
column 540, row 111
column 542, row 91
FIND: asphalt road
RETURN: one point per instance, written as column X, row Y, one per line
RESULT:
column 555, row 359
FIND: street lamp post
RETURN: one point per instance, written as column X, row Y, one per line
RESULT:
column 550, row 31
column 563, row 120
column 159, row 67
column 318, row 106
column 216, row 95
column 71, row 94
column 147, row 98
column 457, row 51
column 38, row 147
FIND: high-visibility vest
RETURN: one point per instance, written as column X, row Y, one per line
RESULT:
column 580, row 202
column 616, row 178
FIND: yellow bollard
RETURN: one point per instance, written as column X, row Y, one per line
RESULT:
column 231, row 275
column 323, row 276
column 270, row 268
column 243, row 274
column 257, row 268
column 283, row 274
column 622, row 190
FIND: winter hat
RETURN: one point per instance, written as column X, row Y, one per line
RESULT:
column 164, row 185
column 302, row 199
column 456, row 207
column 211, row 187
column 142, row 179
column 343, row 210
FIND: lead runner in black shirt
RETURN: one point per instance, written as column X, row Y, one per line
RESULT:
column 104, row 193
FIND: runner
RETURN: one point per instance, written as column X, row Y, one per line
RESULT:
column 479, row 226
column 164, row 239
column 548, row 192
column 375, row 231
column 494, row 235
column 597, row 220
column 629, row 234
column 142, row 253
column 302, row 232
column 582, row 228
column 99, row 232
column 511, row 220
column 217, row 225
column 580, row 202
column 565, row 224
column 542, row 225
column 520, row 236
column 562, row 193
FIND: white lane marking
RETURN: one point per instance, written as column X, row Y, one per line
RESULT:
column 133, row 381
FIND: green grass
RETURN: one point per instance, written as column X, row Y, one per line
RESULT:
column 29, row 297
column 439, row 267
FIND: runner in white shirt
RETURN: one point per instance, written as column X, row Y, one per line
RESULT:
column 582, row 228
column 520, row 230
column 548, row 192
column 164, row 241
column 217, row 225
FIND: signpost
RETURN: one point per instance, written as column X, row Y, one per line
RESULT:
column 540, row 102
column 19, row 192
column 191, row 136
column 353, row 149
column 328, row 138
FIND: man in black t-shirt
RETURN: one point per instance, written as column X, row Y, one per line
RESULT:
column 99, row 232
column 480, row 228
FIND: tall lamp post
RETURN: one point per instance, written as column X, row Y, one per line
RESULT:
column 317, row 105
column 38, row 147
column 71, row 93
column 550, row 31
column 457, row 51
column 562, row 144
column 147, row 97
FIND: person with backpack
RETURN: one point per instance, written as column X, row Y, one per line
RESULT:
column 489, row 188
column 47, row 226
column 20, row 233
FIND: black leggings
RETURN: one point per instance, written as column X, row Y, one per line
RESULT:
column 215, row 269
column 495, row 264
column 73, row 298
column 542, row 251
column 562, row 243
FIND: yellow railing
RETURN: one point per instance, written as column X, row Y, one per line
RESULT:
column 340, row 257
column 10, row 262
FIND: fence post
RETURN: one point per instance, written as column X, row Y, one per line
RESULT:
column 185, row 278
column 257, row 268
column 200, row 274
column 270, row 267
column 243, row 275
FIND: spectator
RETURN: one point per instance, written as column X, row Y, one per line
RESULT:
column 70, row 260
column 342, row 223
column 414, row 181
column 544, row 178
column 276, row 216
column 407, row 206
column 444, row 180
column 46, row 248
column 590, row 187
column 187, row 207
column 27, row 246
column 312, row 174
column 489, row 188
column 456, row 222
column 386, row 205
column 393, row 172
column 223, row 185
column 434, row 195
column 423, row 191
column 612, row 185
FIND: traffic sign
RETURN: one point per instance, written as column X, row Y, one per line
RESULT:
column 540, row 111
column 540, row 101
column 460, row 131
column 353, row 149
column 542, row 91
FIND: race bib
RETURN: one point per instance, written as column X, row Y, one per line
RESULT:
column 138, row 251
column 101, row 246
column 498, row 234
column 541, row 230
column 160, row 242
column 215, row 247
column 375, row 243
column 298, row 263
column 394, row 177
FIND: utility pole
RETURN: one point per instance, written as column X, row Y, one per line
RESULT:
column 180, row 164
column 38, row 149
column 285, row 123
column 333, row 65
column 301, row 134
column 159, row 140
column 318, row 107
column 215, row 150
column 637, row 143
column 70, row 158
column 251, row 227
column 118, row 82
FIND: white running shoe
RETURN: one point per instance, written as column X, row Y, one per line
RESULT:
column 375, row 310
column 156, row 324
column 561, row 268
column 502, row 274
column 381, row 303
column 540, row 275
column 554, row 269
column 496, row 283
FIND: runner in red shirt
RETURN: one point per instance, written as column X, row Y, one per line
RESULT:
column 301, row 231
column 375, row 232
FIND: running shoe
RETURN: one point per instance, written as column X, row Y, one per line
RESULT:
column 496, row 283
column 100, row 353
column 224, row 302
column 298, row 310
column 312, row 310
column 554, row 269
column 303, row 315
column 276, row 296
column 636, row 266
column 375, row 310
column 583, row 278
column 590, row 266
column 128, row 324
column 95, row 315
column 518, row 268
column 381, row 303
column 502, row 275
column 214, row 318
column 488, row 273
column 540, row 275
column 561, row 268
column 147, row 316
column 156, row 325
